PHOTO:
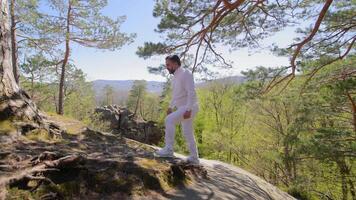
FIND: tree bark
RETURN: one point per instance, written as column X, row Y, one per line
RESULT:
column 65, row 62
column 14, row 103
column 345, row 179
column 14, row 42
column 287, row 164
column 137, row 102
column 32, row 85
column 346, row 175
column 353, row 107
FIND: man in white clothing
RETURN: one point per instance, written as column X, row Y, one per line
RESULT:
column 182, row 109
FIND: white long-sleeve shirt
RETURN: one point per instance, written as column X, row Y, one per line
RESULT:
column 183, row 89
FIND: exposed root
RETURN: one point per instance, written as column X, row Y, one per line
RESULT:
column 22, row 177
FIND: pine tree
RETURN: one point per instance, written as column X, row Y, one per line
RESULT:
column 136, row 96
column 14, row 102
column 81, row 22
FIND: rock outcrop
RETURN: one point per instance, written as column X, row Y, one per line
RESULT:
column 87, row 164
column 123, row 121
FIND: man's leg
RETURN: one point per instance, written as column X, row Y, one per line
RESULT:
column 187, row 126
column 170, row 123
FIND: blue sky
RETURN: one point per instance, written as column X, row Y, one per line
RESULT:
column 124, row 64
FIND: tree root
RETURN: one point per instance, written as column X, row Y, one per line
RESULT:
column 49, row 196
column 41, row 164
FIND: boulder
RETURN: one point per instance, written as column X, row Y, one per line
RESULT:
column 124, row 122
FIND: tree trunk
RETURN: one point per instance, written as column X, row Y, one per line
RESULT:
column 352, row 189
column 346, row 174
column 14, row 42
column 343, row 186
column 64, row 64
column 353, row 108
column 342, row 170
column 287, row 162
column 137, row 103
column 14, row 103
column 294, row 163
column 32, row 85
column 230, row 154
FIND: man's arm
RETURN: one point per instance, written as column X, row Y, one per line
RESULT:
column 171, row 103
column 170, row 107
column 190, row 88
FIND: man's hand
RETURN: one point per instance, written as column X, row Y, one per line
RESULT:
column 169, row 111
column 187, row 114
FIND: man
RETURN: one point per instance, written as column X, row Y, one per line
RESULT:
column 184, row 99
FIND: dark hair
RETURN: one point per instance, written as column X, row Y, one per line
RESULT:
column 174, row 58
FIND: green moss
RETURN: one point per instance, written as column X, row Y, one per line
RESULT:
column 167, row 175
column 41, row 135
column 120, row 182
column 6, row 126
column 99, row 177
column 152, row 164
column 69, row 189
column 38, row 134
column 15, row 193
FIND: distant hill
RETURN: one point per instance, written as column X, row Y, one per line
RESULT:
column 125, row 85
column 122, row 87
column 229, row 79
column 156, row 86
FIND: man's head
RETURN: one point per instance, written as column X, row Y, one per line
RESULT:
column 172, row 63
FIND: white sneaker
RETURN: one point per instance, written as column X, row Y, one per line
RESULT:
column 193, row 160
column 164, row 153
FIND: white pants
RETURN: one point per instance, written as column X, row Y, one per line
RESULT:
column 187, row 125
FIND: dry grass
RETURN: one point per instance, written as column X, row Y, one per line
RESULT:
column 71, row 125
